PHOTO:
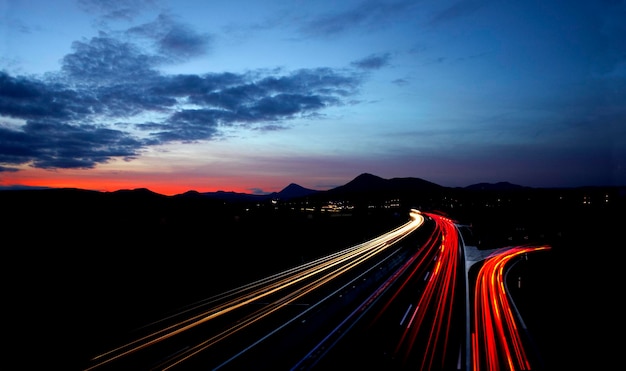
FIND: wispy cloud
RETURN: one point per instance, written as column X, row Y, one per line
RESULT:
column 457, row 10
column 370, row 14
column 117, row 9
column 373, row 62
column 17, row 25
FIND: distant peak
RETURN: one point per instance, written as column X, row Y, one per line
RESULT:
column 293, row 185
column 367, row 176
column 295, row 190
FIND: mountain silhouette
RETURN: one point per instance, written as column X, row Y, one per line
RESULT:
column 363, row 182
column 374, row 185
column 294, row 190
column 364, row 185
column 362, row 190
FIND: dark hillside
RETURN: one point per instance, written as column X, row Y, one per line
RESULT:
column 105, row 263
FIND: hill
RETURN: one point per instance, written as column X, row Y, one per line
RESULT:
column 368, row 183
column 291, row 191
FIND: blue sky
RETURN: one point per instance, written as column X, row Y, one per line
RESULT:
column 253, row 95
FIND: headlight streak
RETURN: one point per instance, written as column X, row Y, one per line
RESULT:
column 272, row 307
column 423, row 255
column 361, row 308
column 496, row 340
column 429, row 277
column 337, row 333
column 328, row 268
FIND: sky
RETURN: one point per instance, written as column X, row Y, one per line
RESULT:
column 252, row 95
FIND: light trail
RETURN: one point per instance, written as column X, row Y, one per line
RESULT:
column 432, row 316
column 292, row 284
column 496, row 340
column 428, row 280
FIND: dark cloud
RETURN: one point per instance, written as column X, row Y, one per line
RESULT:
column 373, row 62
column 110, row 101
column 173, row 39
column 26, row 98
column 190, row 125
column 50, row 144
column 5, row 169
column 284, row 105
column 196, row 85
column 78, row 146
column 106, row 59
column 371, row 14
column 16, row 147
column 249, row 100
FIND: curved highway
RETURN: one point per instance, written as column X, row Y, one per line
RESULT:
column 399, row 301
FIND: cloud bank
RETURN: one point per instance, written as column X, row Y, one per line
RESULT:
column 110, row 99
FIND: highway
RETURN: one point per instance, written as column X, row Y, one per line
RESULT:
column 398, row 301
column 225, row 329
column 416, row 320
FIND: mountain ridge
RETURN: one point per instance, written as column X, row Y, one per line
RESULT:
column 364, row 182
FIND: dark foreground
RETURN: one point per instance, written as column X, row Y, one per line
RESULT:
column 79, row 273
